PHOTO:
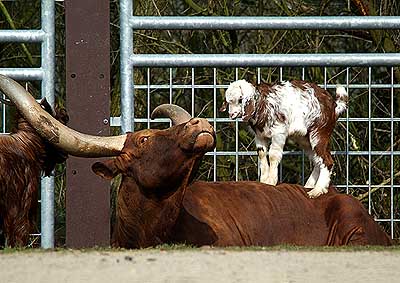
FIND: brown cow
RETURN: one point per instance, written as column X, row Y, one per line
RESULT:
column 158, row 202
column 24, row 156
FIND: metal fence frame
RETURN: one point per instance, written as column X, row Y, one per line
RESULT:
column 129, row 61
column 45, row 74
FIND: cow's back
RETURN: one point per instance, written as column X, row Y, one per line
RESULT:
column 255, row 214
column 249, row 214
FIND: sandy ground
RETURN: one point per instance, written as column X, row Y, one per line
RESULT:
column 200, row 266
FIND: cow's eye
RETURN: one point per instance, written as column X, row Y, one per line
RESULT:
column 142, row 140
column 240, row 101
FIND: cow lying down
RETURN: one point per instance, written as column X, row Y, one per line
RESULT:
column 158, row 202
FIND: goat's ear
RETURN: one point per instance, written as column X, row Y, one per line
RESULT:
column 223, row 107
column 105, row 169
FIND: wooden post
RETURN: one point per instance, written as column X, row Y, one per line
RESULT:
column 88, row 105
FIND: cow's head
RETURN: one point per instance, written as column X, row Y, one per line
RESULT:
column 151, row 157
column 159, row 160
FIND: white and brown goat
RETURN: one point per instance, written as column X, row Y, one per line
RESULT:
column 297, row 109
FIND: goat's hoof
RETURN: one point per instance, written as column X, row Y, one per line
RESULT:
column 316, row 192
column 271, row 181
column 309, row 186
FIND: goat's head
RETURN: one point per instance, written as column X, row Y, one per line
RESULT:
column 239, row 97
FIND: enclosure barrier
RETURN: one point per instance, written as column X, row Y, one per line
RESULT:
column 129, row 61
column 45, row 74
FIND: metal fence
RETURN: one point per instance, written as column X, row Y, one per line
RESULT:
column 345, row 66
column 45, row 74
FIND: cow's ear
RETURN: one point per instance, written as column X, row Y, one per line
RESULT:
column 105, row 169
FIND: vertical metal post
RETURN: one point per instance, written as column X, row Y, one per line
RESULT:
column 214, row 123
column 391, row 152
column 88, row 102
column 47, row 183
column 126, row 50
column 369, row 140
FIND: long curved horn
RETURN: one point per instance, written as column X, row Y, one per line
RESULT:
column 177, row 114
column 67, row 139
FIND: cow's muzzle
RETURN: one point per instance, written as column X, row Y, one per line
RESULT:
column 203, row 133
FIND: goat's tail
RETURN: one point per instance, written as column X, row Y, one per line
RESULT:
column 341, row 100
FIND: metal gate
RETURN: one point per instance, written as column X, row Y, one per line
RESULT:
column 331, row 65
column 45, row 74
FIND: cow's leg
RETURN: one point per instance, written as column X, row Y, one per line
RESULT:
column 262, row 156
column 275, row 156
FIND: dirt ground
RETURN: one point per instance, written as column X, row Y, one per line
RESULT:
column 200, row 265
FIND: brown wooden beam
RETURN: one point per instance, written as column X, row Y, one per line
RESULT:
column 88, row 103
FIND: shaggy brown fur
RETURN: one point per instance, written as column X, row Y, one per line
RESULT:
column 24, row 156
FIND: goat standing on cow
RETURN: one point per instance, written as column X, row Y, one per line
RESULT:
column 300, row 110
column 24, row 156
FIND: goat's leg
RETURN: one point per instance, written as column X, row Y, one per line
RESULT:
column 275, row 156
column 324, row 160
column 262, row 156
column 312, row 180
column 264, row 167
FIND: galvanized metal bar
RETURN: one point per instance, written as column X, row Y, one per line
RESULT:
column 148, row 97
column 210, row 86
column 391, row 155
column 236, row 138
column 280, row 176
column 126, row 50
column 334, row 152
column 347, row 134
column 302, row 152
column 264, row 60
column 47, row 63
column 3, row 116
column 22, row 35
column 369, row 141
column 192, row 94
column 215, row 123
column 258, row 159
column 23, row 74
column 116, row 121
column 258, row 23
column 170, row 86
